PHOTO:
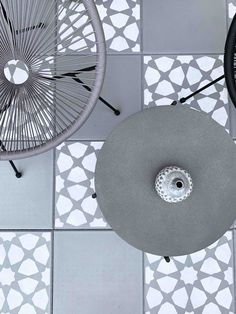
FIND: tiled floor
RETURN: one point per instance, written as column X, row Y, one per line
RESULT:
column 57, row 253
column 25, row 259
column 198, row 283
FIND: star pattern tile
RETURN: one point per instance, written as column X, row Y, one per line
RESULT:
column 121, row 24
column 231, row 10
column 25, row 272
column 120, row 21
column 75, row 167
column 168, row 78
column 201, row 282
column 75, row 22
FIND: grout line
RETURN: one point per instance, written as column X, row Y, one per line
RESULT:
column 163, row 53
column 80, row 230
column 110, row 54
column 82, row 140
column 124, row 54
column 71, row 230
column 26, row 230
column 53, row 230
column 174, row 53
column 52, row 273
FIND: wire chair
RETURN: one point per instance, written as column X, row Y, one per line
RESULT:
column 52, row 64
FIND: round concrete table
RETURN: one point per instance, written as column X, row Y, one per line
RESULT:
column 133, row 161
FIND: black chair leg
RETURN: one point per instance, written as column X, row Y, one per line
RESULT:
column 17, row 172
column 184, row 99
column 116, row 111
column 78, row 80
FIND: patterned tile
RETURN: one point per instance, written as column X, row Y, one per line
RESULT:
column 201, row 282
column 170, row 78
column 75, row 166
column 75, row 28
column 231, row 10
column 24, row 273
column 121, row 24
column 120, row 21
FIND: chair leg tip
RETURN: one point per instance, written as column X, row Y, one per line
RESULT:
column 18, row 175
column 117, row 112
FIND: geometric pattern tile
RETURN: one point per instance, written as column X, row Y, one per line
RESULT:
column 168, row 78
column 231, row 10
column 69, row 12
column 201, row 282
column 25, row 272
column 121, row 24
column 75, row 167
column 120, row 20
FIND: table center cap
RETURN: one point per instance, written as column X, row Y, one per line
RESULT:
column 173, row 184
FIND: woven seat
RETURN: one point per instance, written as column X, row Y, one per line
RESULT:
column 52, row 65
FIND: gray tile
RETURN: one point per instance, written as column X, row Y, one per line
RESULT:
column 122, row 88
column 75, row 167
column 25, row 260
column 96, row 272
column 26, row 203
column 201, row 282
column 184, row 26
